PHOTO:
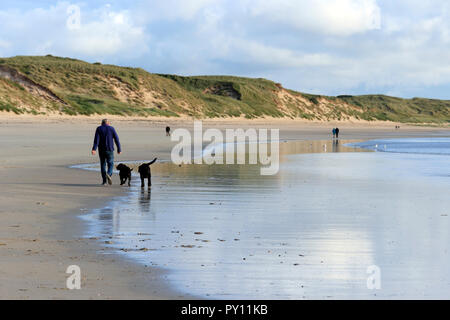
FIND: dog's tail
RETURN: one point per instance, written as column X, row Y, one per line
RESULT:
column 152, row 162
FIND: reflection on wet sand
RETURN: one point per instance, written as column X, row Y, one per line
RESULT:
column 336, row 146
column 225, row 231
column 144, row 200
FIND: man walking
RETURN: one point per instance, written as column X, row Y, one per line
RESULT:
column 104, row 139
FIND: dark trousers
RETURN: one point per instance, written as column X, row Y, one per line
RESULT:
column 106, row 158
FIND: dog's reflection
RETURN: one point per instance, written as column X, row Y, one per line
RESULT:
column 144, row 200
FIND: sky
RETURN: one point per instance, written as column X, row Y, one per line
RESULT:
column 330, row 47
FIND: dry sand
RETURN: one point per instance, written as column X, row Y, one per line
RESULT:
column 41, row 198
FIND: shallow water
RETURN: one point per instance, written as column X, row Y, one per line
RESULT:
column 437, row 146
column 309, row 232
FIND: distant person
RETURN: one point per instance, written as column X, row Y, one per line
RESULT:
column 334, row 132
column 104, row 139
column 167, row 131
column 337, row 133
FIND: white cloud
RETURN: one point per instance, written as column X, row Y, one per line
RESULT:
column 244, row 51
column 333, row 17
column 254, row 52
column 102, row 33
column 113, row 33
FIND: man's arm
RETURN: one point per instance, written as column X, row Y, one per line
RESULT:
column 96, row 141
column 117, row 141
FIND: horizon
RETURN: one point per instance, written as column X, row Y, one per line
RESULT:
column 330, row 48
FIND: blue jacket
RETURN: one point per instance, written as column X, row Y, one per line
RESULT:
column 104, row 139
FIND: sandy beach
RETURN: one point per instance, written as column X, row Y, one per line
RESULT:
column 42, row 198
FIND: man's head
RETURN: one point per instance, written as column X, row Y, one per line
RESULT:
column 105, row 122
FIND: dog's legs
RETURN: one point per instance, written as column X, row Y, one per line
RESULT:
column 142, row 183
column 149, row 182
column 129, row 181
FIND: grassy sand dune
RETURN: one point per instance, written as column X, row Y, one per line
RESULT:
column 53, row 85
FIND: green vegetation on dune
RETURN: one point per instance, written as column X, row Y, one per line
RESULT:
column 232, row 96
column 417, row 110
column 64, row 72
column 4, row 106
column 87, row 106
column 49, row 84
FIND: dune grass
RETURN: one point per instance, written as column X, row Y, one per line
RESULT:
column 94, row 88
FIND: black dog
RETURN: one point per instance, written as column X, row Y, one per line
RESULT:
column 144, row 171
column 124, row 174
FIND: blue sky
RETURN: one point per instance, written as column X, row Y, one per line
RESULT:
column 331, row 47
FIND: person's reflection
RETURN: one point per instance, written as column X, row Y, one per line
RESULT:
column 144, row 200
column 336, row 146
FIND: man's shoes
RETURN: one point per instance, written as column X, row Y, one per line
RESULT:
column 104, row 184
column 108, row 178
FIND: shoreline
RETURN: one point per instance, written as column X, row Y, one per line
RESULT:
column 42, row 200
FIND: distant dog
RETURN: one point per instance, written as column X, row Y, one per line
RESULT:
column 124, row 174
column 144, row 171
column 168, row 131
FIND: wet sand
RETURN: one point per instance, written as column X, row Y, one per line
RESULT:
column 42, row 198
column 309, row 232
